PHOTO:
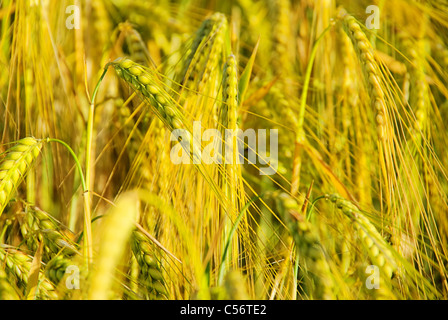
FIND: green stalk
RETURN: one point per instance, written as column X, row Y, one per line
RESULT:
column 300, row 137
column 230, row 237
column 296, row 274
column 88, row 183
column 306, row 84
column 77, row 163
column 84, row 187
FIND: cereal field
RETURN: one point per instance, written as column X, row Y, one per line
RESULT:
column 223, row 150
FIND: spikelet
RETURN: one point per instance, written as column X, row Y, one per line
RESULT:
column 137, row 147
column 205, row 52
column 7, row 291
column 162, row 168
column 145, row 82
column 162, row 104
column 419, row 102
column 15, row 165
column 39, row 226
column 319, row 280
column 201, row 34
column 371, row 72
column 150, row 273
column 230, row 175
column 201, row 71
column 419, row 99
column 18, row 264
column 349, row 91
column 56, row 268
column 230, row 94
column 229, row 108
column 378, row 250
column 351, row 105
column 137, row 49
column 166, row 109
